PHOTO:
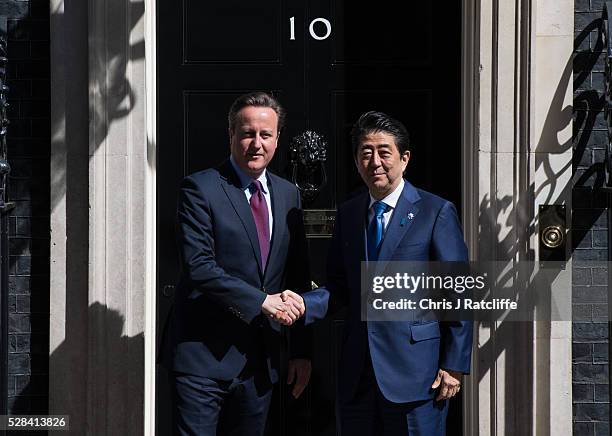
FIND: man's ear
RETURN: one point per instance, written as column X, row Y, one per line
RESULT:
column 406, row 156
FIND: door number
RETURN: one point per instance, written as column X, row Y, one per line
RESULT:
column 311, row 29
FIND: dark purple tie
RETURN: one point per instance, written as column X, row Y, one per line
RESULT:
column 259, row 208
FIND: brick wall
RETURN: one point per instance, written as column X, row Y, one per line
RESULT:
column 29, row 154
column 590, row 375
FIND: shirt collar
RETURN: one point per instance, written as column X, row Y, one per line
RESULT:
column 391, row 199
column 246, row 180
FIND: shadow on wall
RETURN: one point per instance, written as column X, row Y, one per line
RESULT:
column 29, row 157
column 111, row 98
column 517, row 211
column 96, row 382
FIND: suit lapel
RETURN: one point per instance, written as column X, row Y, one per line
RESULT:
column 277, row 208
column 231, row 185
column 401, row 220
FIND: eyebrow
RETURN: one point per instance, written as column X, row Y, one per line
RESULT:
column 383, row 145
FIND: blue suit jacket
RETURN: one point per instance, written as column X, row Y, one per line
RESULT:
column 405, row 355
column 217, row 326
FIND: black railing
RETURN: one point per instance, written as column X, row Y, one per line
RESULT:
column 5, row 206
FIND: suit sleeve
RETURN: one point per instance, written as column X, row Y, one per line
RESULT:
column 448, row 245
column 197, row 248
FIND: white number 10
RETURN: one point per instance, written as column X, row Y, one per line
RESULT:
column 311, row 29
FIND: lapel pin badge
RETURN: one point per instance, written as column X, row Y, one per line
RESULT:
column 409, row 216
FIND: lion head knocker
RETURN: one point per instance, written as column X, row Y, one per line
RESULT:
column 308, row 155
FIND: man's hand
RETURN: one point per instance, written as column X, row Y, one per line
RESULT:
column 298, row 371
column 294, row 301
column 274, row 307
column 449, row 383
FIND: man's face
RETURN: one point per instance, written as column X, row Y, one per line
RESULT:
column 254, row 139
column 380, row 164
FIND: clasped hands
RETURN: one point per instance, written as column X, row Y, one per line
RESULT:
column 285, row 307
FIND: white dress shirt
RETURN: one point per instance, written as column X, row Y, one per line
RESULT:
column 390, row 200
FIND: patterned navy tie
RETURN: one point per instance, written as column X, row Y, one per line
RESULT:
column 259, row 208
column 375, row 230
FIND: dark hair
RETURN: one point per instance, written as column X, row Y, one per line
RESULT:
column 257, row 99
column 374, row 122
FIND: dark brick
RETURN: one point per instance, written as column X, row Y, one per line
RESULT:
column 590, row 294
column 589, row 373
column 12, row 342
column 12, row 303
column 581, row 276
column 23, row 304
column 19, row 364
column 583, row 160
column 591, row 412
column 582, row 6
column 583, row 393
column 583, row 20
column 600, row 238
column 600, row 276
column 19, row 323
column 602, row 393
column 584, row 428
column 600, row 353
column 589, row 332
column 23, row 265
column 23, row 342
column 582, row 44
column 582, row 353
column 597, row 5
column 593, row 254
column 602, row 429
column 600, row 313
column 598, row 81
column 11, row 385
column 582, row 312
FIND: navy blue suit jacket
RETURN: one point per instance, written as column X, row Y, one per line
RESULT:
column 405, row 355
column 217, row 325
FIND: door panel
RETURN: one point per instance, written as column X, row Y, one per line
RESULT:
column 375, row 58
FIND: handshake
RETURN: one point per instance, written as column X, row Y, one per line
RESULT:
column 284, row 308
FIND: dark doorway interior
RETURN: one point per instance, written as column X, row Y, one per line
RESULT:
column 401, row 59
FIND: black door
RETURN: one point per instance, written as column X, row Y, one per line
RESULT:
column 327, row 62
